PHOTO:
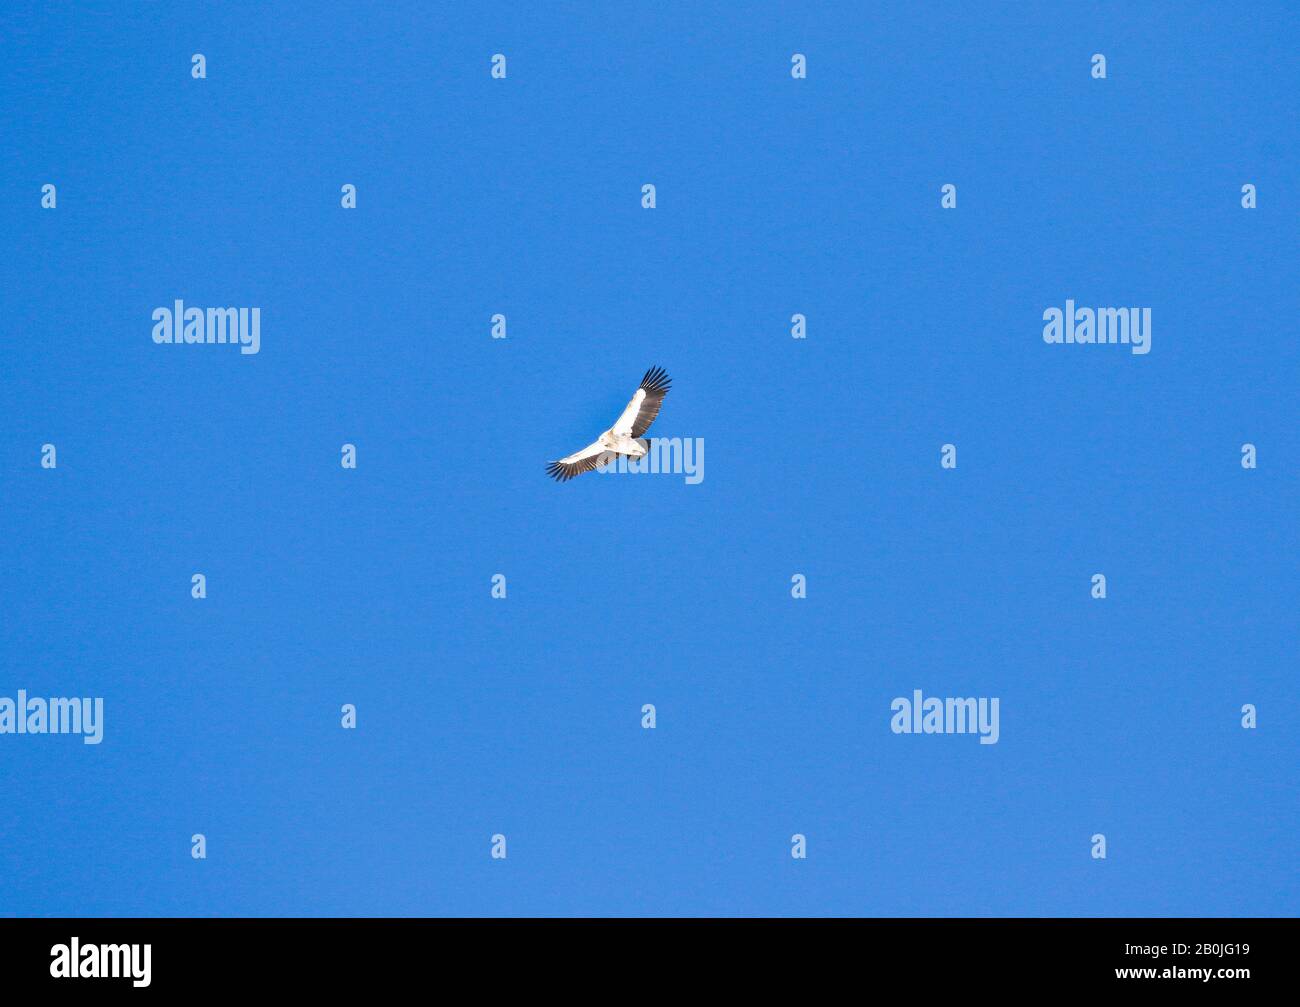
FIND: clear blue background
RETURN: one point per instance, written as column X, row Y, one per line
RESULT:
column 522, row 716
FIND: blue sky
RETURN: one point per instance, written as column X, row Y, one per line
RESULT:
column 521, row 716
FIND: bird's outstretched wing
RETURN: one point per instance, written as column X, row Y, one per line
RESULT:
column 644, row 407
column 577, row 463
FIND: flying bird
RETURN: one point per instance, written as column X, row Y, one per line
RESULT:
column 622, row 437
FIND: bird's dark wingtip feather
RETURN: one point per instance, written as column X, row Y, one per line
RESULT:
column 656, row 380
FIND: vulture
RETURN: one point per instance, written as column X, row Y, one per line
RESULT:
column 622, row 437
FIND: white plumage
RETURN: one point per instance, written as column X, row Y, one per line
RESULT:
column 623, row 437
